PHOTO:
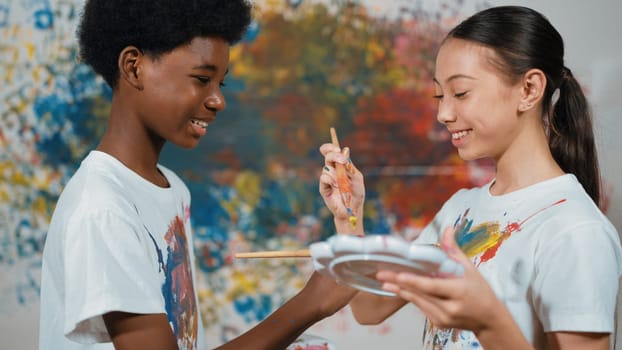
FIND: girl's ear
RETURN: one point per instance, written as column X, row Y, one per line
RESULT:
column 532, row 89
column 130, row 60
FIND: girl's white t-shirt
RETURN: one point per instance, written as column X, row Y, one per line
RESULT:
column 547, row 251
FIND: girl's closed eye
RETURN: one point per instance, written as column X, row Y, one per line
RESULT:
column 456, row 95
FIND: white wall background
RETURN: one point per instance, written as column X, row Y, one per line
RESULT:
column 594, row 52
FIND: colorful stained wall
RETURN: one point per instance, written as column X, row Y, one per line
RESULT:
column 364, row 67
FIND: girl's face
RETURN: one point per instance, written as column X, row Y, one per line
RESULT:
column 477, row 104
column 182, row 91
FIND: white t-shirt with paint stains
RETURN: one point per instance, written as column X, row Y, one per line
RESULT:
column 547, row 252
column 117, row 242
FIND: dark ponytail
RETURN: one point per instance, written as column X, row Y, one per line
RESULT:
column 524, row 39
column 571, row 136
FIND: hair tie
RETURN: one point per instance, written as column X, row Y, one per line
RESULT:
column 566, row 73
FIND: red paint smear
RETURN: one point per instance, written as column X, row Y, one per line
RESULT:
column 509, row 229
column 491, row 252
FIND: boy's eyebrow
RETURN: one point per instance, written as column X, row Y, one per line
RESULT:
column 454, row 77
column 210, row 67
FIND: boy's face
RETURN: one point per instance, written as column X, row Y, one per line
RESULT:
column 182, row 91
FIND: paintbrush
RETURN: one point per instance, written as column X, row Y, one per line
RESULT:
column 343, row 182
column 302, row 253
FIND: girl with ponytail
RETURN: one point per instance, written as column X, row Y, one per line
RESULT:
column 541, row 261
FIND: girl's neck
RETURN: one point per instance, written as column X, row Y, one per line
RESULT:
column 526, row 162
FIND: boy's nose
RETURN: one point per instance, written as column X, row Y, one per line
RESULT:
column 215, row 101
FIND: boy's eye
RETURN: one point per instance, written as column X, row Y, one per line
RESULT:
column 206, row 80
column 203, row 80
column 460, row 94
column 437, row 97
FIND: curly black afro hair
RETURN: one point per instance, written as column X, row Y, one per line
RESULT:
column 154, row 26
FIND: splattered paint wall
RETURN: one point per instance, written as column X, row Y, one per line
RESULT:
column 50, row 114
column 302, row 67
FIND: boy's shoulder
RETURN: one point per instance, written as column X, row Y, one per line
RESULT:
column 99, row 174
column 97, row 183
column 103, row 185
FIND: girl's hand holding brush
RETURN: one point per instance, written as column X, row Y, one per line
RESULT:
column 342, row 188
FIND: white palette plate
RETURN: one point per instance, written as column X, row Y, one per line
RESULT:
column 356, row 260
column 311, row 342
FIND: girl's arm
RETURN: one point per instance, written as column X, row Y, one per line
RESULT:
column 371, row 309
column 577, row 341
column 505, row 334
column 367, row 308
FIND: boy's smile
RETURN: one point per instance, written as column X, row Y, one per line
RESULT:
column 181, row 91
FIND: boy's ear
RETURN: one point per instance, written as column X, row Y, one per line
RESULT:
column 532, row 89
column 130, row 60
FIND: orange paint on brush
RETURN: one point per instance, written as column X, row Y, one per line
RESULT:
column 343, row 181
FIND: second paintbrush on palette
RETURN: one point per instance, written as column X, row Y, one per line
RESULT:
column 343, row 181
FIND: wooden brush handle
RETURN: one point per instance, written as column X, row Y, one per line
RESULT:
column 302, row 253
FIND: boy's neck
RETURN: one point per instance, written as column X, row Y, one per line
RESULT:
column 128, row 141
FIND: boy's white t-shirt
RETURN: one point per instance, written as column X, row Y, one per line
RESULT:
column 117, row 242
column 547, row 252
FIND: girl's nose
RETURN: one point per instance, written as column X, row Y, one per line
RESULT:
column 446, row 113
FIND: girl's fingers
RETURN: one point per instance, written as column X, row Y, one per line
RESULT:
column 438, row 287
column 426, row 303
column 436, row 308
column 333, row 154
column 327, row 179
column 328, row 148
column 430, row 305
column 450, row 246
column 445, row 288
column 327, row 184
column 433, row 308
column 334, row 157
column 330, row 193
column 390, row 287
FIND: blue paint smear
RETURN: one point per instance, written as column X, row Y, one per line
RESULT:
column 252, row 309
column 73, row 102
column 44, row 19
column 4, row 16
column 251, row 33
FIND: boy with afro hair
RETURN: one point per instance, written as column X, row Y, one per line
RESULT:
column 118, row 264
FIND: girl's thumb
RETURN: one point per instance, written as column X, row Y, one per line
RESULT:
column 450, row 246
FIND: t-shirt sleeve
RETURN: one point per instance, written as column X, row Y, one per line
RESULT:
column 111, row 264
column 576, row 281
